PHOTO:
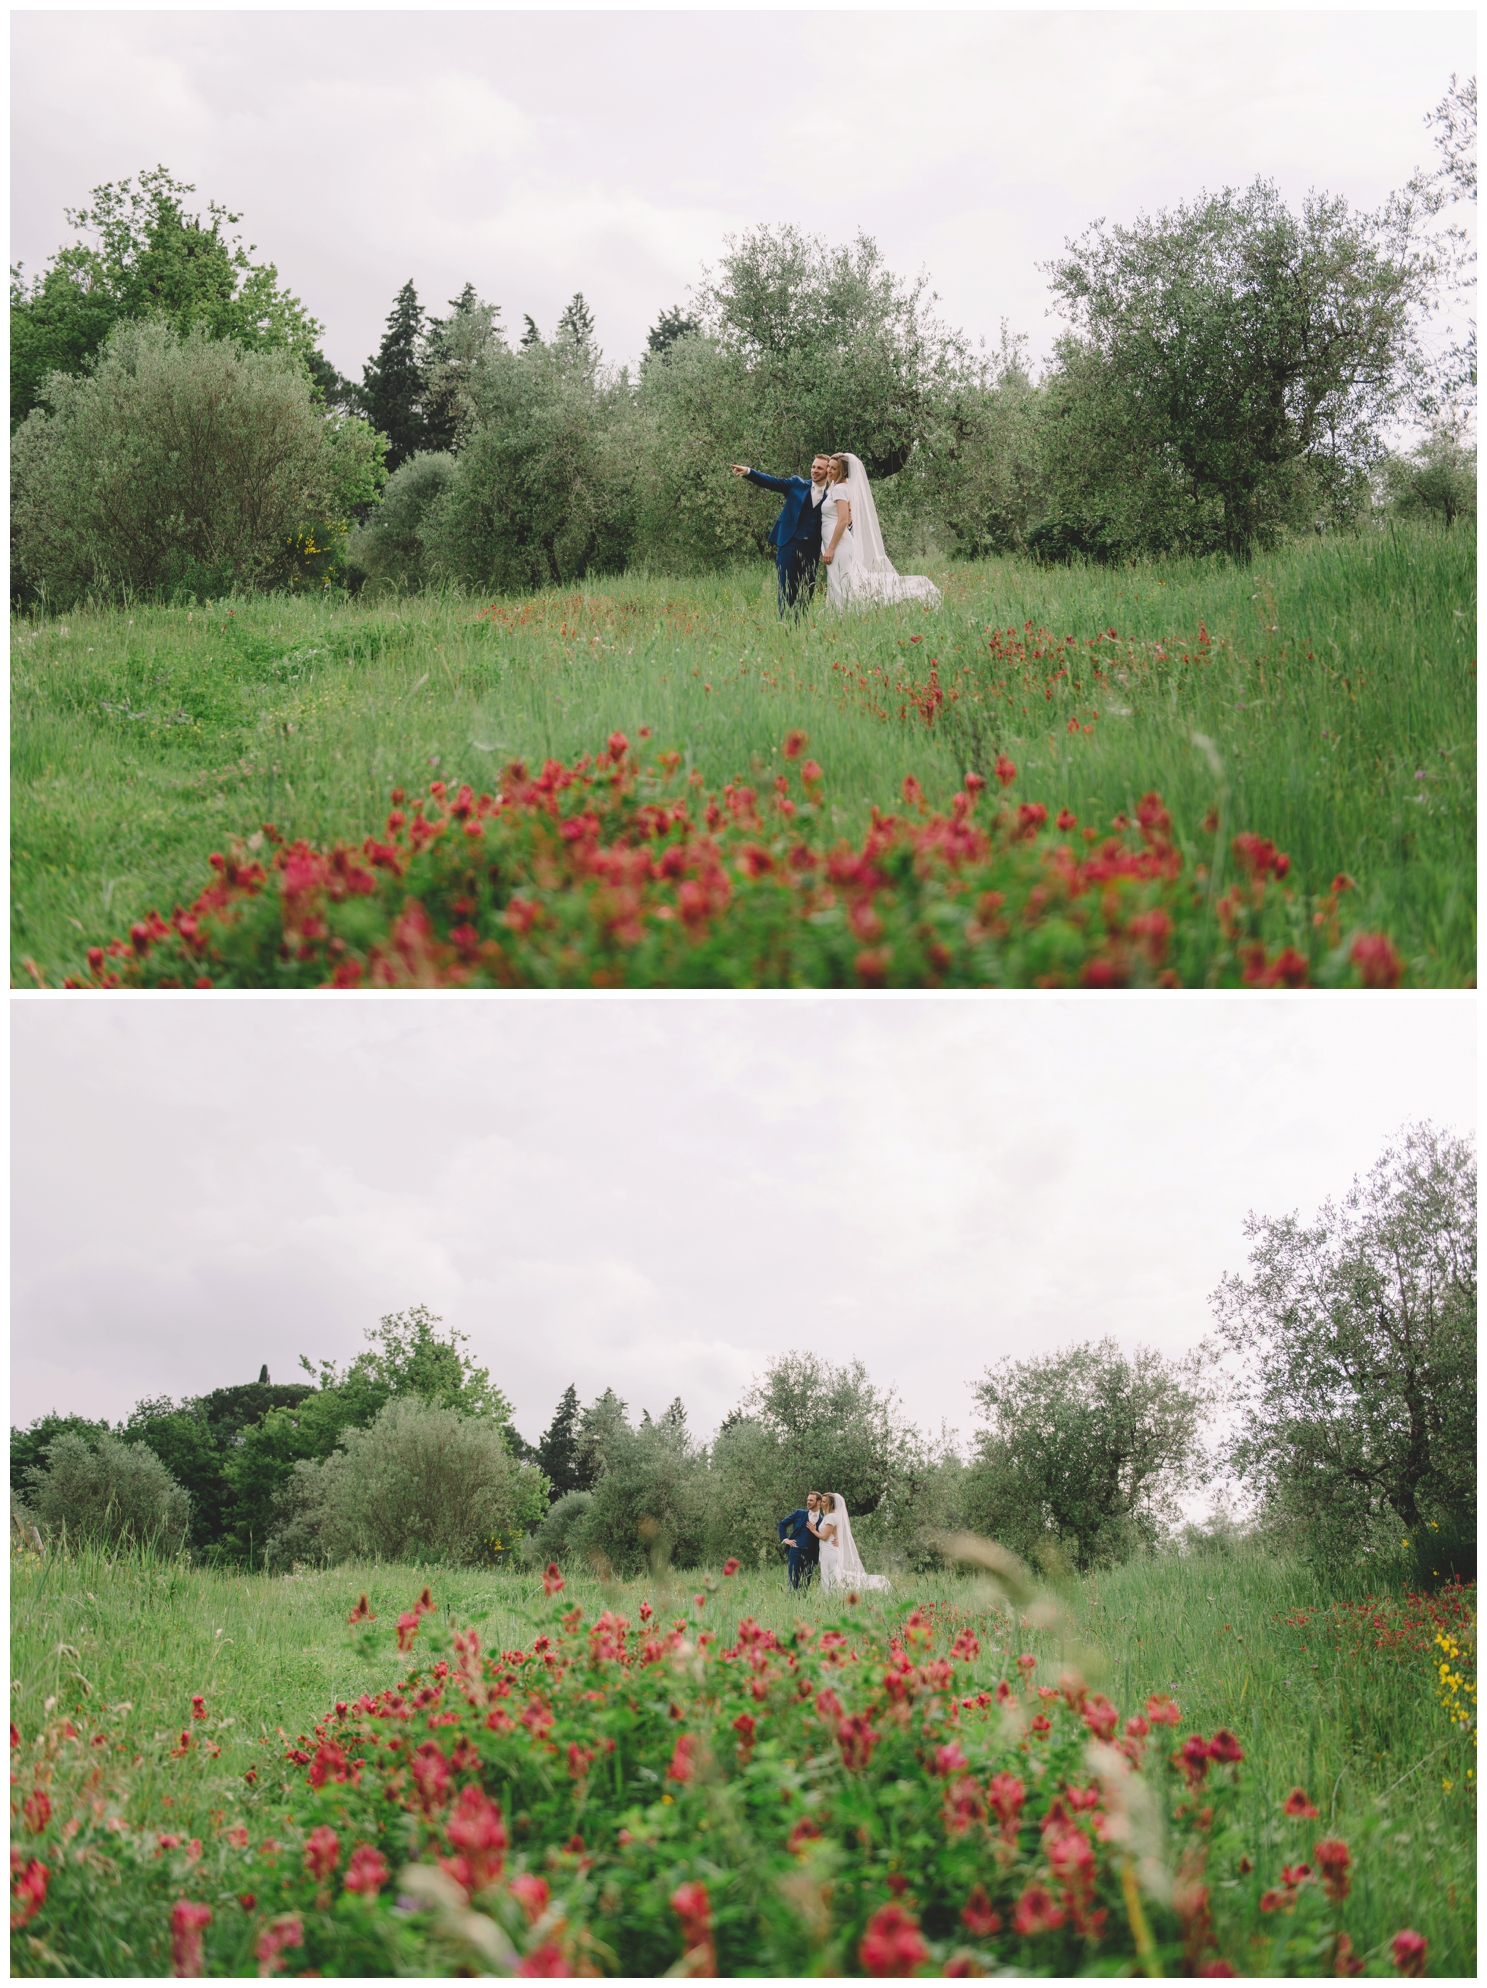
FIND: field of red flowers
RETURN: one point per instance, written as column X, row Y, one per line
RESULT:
column 610, row 872
column 699, row 1795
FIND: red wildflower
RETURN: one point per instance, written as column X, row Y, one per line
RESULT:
column 1376, row 960
column 891, row 1947
column 977, row 1916
column 545, row 1963
column 478, row 1836
column 1335, row 1860
column 552, row 1580
column 619, row 745
column 1004, row 769
column 188, row 1922
column 795, row 744
column 1162, row 1711
column 362, row 1612
column 692, row 1906
column 1299, row 1805
column 683, row 1766
column 949, row 1760
column 1193, row 1757
column 1066, row 818
column 730, row 1567
column 1027, row 1664
column 198, row 1706
column 28, row 1882
column 322, row 1852
column 286, row 1931
column 37, row 1809
column 367, row 1870
column 1101, row 1717
column 1225, row 1748
column 1041, row 1725
column 1036, row 1913
column 856, row 1737
column 1409, row 1953
column 531, row 1894
column 407, row 1630
column 330, row 1764
column 431, row 1776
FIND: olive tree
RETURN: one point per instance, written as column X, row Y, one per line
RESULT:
column 1356, row 1337
column 107, row 1492
column 1234, row 358
column 181, row 461
column 422, row 1482
column 1086, row 1450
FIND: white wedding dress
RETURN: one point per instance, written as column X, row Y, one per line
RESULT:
column 861, row 574
column 841, row 1563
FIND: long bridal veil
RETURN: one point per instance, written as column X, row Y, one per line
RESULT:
column 852, row 1573
column 874, row 576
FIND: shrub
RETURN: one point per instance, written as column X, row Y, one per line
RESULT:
column 553, row 1539
column 389, row 547
column 182, row 464
column 612, row 873
column 108, row 1493
column 421, row 1483
column 650, row 1499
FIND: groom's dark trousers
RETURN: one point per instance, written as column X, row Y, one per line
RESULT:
column 805, row 1548
column 796, row 538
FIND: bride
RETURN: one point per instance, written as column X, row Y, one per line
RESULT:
column 841, row 1563
column 859, row 572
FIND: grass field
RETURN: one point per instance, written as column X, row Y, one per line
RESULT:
column 1324, row 697
column 127, row 1646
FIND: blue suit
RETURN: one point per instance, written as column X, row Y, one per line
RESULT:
column 805, row 1548
column 795, row 536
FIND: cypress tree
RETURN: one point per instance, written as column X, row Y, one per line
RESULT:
column 577, row 322
column 557, row 1452
column 669, row 327
column 392, row 383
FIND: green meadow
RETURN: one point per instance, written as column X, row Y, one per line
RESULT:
column 1241, row 1641
column 1323, row 696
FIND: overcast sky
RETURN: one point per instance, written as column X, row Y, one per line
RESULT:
column 660, row 1195
column 535, row 154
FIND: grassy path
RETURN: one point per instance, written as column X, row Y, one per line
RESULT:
column 1325, row 697
column 1362, row 1734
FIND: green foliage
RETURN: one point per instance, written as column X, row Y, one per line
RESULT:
column 422, row 1482
column 392, row 385
column 557, row 1453
column 453, row 350
column 561, row 1528
column 649, row 1503
column 181, row 464
column 148, row 259
column 409, row 1356
column 1357, row 1395
column 389, row 547
column 1233, row 363
column 669, row 327
column 1086, row 1451
column 542, row 487
column 108, row 1493
column 28, row 1446
column 1437, row 480
column 196, row 1456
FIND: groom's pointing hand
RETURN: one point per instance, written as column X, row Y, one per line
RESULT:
column 739, row 468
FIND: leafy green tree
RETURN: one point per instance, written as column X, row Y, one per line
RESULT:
column 1232, row 353
column 423, row 1482
column 1085, row 1450
column 392, row 382
column 408, row 1355
column 388, row 548
column 28, row 1446
column 1451, row 189
column 542, row 491
column 650, row 1498
column 602, row 1429
column 196, row 1458
column 147, row 258
column 1437, row 479
column 530, row 334
column 557, row 1453
column 1357, row 1335
column 181, row 464
column 453, row 349
column 555, row 1536
column 109, row 1493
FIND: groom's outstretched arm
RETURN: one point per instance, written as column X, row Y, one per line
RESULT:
column 784, row 484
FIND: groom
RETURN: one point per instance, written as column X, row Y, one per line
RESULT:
column 796, row 534
column 805, row 1548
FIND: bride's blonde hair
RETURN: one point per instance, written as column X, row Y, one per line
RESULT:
column 828, row 1499
column 839, row 468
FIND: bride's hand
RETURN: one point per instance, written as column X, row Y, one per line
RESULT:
column 827, row 557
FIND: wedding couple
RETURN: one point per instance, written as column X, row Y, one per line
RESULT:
column 832, row 521
column 820, row 1534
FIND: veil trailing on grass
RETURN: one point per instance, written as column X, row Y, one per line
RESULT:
column 874, row 576
column 853, row 1574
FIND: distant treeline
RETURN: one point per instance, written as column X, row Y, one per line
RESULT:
column 1231, row 372
column 1350, row 1404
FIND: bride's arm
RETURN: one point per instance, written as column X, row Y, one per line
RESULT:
column 843, row 519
